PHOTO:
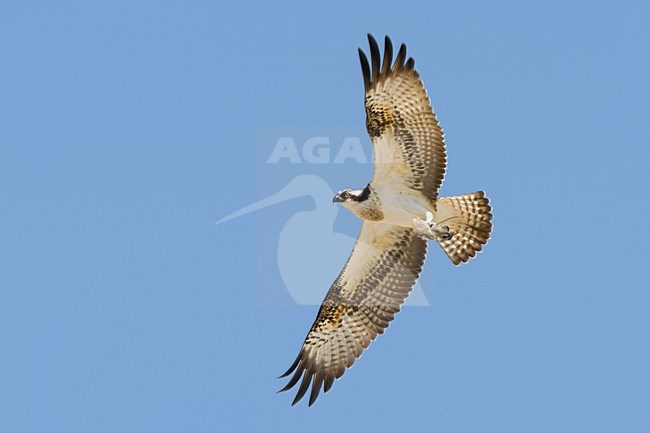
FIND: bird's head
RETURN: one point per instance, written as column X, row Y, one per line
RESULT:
column 361, row 202
column 351, row 196
column 343, row 196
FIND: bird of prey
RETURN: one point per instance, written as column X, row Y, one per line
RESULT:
column 401, row 210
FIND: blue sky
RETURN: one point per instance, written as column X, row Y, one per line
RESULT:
column 128, row 128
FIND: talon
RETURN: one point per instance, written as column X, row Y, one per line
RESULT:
column 443, row 232
column 446, row 235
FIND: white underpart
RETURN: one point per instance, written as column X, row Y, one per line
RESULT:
column 401, row 206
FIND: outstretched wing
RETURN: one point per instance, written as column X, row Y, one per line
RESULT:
column 377, row 278
column 408, row 142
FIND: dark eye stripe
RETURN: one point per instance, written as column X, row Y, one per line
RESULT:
column 364, row 194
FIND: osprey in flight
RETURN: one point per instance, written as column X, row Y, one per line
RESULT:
column 401, row 211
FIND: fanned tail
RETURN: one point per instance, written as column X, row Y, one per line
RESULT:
column 470, row 223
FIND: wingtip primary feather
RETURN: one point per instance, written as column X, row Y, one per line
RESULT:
column 399, row 60
column 293, row 381
column 329, row 381
column 293, row 367
column 410, row 63
column 315, row 388
column 304, row 386
column 388, row 56
column 378, row 67
column 374, row 56
column 365, row 69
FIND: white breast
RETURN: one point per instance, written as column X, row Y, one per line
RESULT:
column 401, row 206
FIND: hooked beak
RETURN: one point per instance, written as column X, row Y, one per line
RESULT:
column 337, row 199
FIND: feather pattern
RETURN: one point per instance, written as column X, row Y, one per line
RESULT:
column 407, row 138
column 377, row 278
column 470, row 225
column 409, row 167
